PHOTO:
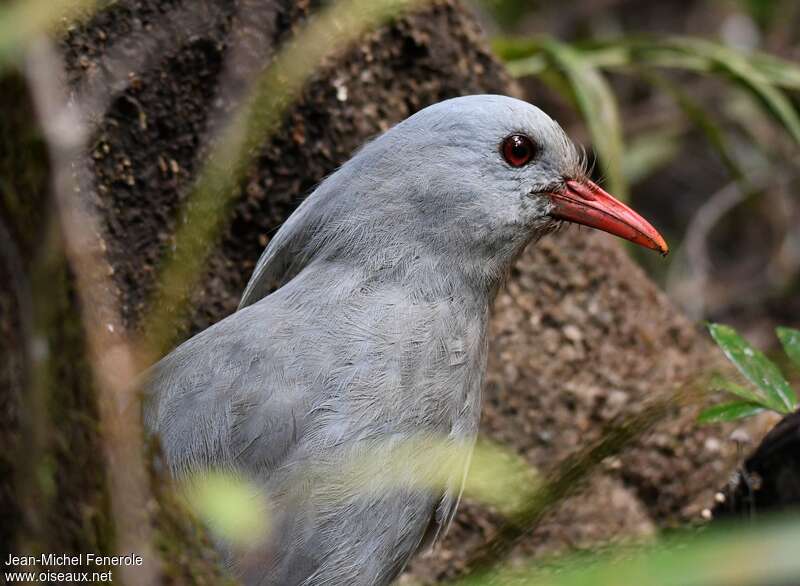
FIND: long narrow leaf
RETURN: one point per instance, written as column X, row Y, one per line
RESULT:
column 729, row 412
column 779, row 71
column 739, row 69
column 790, row 339
column 677, row 52
column 755, row 367
column 597, row 104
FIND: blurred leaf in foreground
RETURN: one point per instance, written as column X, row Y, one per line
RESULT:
column 496, row 476
column 234, row 508
column 760, row 554
column 741, row 70
column 24, row 20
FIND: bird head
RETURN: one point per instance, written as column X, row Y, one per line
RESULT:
column 501, row 168
column 461, row 186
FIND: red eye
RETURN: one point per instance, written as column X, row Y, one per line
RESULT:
column 518, row 150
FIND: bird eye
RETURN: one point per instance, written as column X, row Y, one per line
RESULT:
column 518, row 150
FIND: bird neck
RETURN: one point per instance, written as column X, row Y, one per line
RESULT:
column 428, row 267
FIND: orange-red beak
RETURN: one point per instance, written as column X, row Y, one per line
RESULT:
column 585, row 202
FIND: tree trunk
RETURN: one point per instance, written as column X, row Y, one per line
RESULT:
column 579, row 337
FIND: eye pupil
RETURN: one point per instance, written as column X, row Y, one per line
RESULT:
column 518, row 150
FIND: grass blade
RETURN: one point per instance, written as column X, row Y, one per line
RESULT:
column 736, row 66
column 598, row 106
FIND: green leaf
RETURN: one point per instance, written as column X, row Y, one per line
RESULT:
column 779, row 71
column 649, row 152
column 745, row 393
column 791, row 343
column 729, row 412
column 513, row 48
column 755, row 367
column 23, row 20
column 598, row 106
column 676, row 52
column 233, row 507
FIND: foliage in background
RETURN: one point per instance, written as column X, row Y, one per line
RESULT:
column 768, row 389
column 577, row 71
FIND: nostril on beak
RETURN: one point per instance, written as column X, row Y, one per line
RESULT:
column 582, row 190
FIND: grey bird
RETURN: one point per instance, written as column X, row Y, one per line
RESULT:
column 375, row 335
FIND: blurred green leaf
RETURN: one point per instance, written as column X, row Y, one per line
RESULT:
column 501, row 478
column 741, row 70
column 23, row 20
column 760, row 74
column 790, row 339
column 671, row 52
column 756, row 368
column 598, row 106
column 729, row 412
column 497, row 476
column 681, row 52
column 234, row 508
column 779, row 71
column 649, row 152
column 753, row 554
column 513, row 48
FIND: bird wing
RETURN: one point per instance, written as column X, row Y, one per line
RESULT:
column 225, row 398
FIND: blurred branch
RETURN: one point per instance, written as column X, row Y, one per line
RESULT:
column 690, row 277
column 110, row 355
column 692, row 291
column 236, row 147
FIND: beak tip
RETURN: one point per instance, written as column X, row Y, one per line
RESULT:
column 662, row 246
column 584, row 202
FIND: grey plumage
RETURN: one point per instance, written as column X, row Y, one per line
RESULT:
column 375, row 334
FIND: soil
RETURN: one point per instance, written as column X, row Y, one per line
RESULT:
column 580, row 336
